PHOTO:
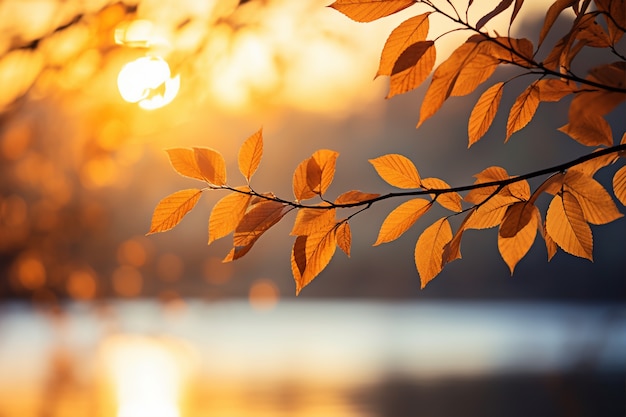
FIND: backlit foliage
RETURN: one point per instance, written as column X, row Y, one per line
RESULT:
column 495, row 199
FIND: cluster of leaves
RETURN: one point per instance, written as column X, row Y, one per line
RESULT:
column 495, row 199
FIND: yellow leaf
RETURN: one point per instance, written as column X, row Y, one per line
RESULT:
column 250, row 154
column 397, row 170
column 212, row 165
column 171, row 210
column 592, row 166
column 320, row 248
column 369, row 10
column 589, row 129
column 522, row 110
column 309, row 220
column 412, row 67
column 184, row 162
column 407, row 33
column 301, row 189
column 451, row 201
column 344, row 237
column 597, row 205
column 320, row 170
column 513, row 247
column 227, row 213
column 619, row 185
column 484, row 112
column 510, row 50
column 257, row 221
column 401, row 219
column 429, row 250
column 354, row 197
column 473, row 73
column 513, row 192
column 490, row 213
column 452, row 250
column 566, row 224
column 517, row 216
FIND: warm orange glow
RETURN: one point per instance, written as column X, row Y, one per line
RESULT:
column 263, row 294
column 170, row 267
column 132, row 252
column 148, row 82
column 82, row 285
column 217, row 272
column 31, row 272
column 127, row 281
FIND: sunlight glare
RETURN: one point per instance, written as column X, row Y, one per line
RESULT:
column 148, row 82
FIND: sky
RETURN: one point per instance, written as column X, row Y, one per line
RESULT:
column 82, row 169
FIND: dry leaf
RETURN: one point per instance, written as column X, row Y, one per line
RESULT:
column 409, row 32
column 565, row 223
column 184, row 162
column 412, row 67
column 250, row 155
column 309, row 220
column 257, row 221
column 502, row 6
column 619, row 185
column 484, row 112
column 319, row 249
column 370, row 10
column 171, row 210
column 301, row 189
column 522, row 110
column 597, row 205
column 397, row 170
column 401, row 219
column 553, row 12
column 449, row 200
column 227, row 213
column 320, row 170
column 354, row 197
column 344, row 237
column 513, row 247
column 517, row 216
column 429, row 250
column 212, row 165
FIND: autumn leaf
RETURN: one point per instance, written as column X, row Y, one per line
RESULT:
column 409, row 32
column 551, row 246
column 301, row 189
column 344, row 237
column 320, row 247
column 401, row 219
column 565, row 223
column 484, row 112
column 309, row 220
column 184, row 162
column 552, row 89
column 592, row 166
column 250, row 155
column 514, row 246
column 397, row 170
column 591, row 33
column 473, row 73
column 298, row 258
column 596, row 203
column 452, row 251
column 354, row 197
column 412, row 67
column 553, row 12
column 615, row 15
column 489, row 214
column 589, row 129
column 370, row 10
column 522, row 110
column 212, row 165
column 320, row 170
column 257, row 220
column 227, row 213
column 502, row 6
column 619, row 185
column 171, row 210
column 449, row 200
column 429, row 250
column 510, row 50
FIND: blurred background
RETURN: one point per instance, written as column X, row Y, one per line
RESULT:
column 98, row 319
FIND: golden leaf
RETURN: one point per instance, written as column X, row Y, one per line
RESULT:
column 319, row 248
column 552, row 89
column 184, row 162
column 452, row 250
column 597, row 205
column 301, row 189
column 615, row 15
column 212, row 165
column 522, row 110
column 397, row 170
column 320, row 170
column 589, row 32
column 550, row 245
column 451, row 200
column 250, row 155
column 513, row 192
column 354, row 197
column 257, row 221
column 298, row 258
column 473, row 73
column 429, row 250
column 510, row 50
column 565, row 223
column 515, row 246
column 517, row 216
column 592, row 166
column 370, row 10
column 309, row 220
column 406, row 34
column 589, row 129
column 502, row 6
column 484, row 112
column 489, row 214
column 171, row 210
column 227, row 213
column 412, row 67
column 344, row 237
column 553, row 12
column 619, row 185
column 401, row 219
column 238, row 252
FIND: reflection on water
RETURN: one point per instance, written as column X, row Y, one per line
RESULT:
column 332, row 359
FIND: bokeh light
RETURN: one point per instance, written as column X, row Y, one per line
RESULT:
column 263, row 295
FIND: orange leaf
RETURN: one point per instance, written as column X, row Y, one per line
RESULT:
column 615, row 15
column 320, row 170
column 344, row 237
column 522, row 110
column 412, row 67
column 550, row 245
column 452, row 250
column 227, row 213
column 429, row 250
column 517, row 216
column 171, row 210
column 502, row 6
column 450, row 200
column 401, row 219
column 484, row 112
column 184, row 162
column 489, row 214
column 320, row 248
column 250, row 155
column 552, row 89
column 397, row 170
column 309, row 220
column 257, row 221
column 369, row 10
column 301, row 189
column 354, row 197
column 589, row 129
column 553, row 12
column 473, row 73
column 510, row 50
column 597, row 205
column 591, row 33
column 409, row 32
column 298, row 258
column 592, row 166
column 619, row 185
column 212, row 165
column 565, row 223
column 513, row 247
column 238, row 252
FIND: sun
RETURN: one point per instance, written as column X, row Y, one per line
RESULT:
column 148, row 81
